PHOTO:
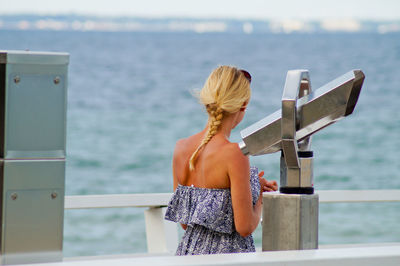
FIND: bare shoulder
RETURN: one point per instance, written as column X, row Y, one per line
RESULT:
column 185, row 146
column 185, row 143
column 232, row 150
column 180, row 146
column 235, row 158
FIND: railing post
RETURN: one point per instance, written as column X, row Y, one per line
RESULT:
column 161, row 235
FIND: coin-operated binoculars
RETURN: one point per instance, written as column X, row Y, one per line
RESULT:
column 290, row 218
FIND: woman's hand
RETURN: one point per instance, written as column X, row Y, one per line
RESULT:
column 267, row 185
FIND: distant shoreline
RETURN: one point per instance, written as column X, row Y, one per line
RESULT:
column 196, row 25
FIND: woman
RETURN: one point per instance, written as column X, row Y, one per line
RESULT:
column 217, row 196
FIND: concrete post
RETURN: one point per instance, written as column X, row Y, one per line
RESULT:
column 290, row 221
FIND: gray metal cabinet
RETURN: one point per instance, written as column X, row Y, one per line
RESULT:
column 33, row 93
column 33, row 102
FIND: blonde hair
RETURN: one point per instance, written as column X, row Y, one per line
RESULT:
column 225, row 91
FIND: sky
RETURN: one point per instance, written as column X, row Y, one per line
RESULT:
column 251, row 9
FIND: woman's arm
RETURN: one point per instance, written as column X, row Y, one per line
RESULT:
column 175, row 166
column 246, row 215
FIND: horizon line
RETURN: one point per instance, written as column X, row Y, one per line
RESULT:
column 170, row 16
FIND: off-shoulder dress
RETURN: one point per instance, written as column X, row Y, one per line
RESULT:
column 209, row 217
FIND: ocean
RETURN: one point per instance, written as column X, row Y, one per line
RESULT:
column 130, row 99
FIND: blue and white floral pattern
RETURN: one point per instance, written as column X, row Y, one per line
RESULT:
column 209, row 217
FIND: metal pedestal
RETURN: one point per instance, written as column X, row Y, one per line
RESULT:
column 290, row 221
column 33, row 101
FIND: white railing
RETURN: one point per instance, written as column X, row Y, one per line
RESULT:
column 154, row 200
column 349, row 196
column 162, row 236
column 150, row 200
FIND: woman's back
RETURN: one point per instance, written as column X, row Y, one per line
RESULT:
column 211, row 164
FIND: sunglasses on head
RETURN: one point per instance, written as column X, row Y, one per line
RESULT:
column 246, row 74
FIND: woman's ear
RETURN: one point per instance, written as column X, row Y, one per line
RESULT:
column 244, row 106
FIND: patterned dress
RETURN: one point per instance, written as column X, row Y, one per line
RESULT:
column 209, row 217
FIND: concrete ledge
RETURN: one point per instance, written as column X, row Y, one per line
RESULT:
column 371, row 255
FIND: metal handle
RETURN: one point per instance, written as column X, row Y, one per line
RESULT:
column 294, row 79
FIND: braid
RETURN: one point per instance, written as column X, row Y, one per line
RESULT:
column 216, row 115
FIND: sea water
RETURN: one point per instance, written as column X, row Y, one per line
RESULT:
column 130, row 99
